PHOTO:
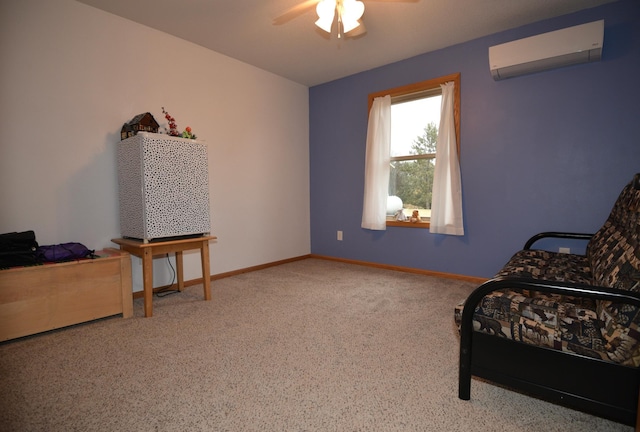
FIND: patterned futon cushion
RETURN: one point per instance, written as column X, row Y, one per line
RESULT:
column 620, row 328
column 614, row 252
column 550, row 266
column 562, row 323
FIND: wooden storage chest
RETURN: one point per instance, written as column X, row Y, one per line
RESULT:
column 46, row 297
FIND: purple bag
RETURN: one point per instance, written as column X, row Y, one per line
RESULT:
column 64, row 252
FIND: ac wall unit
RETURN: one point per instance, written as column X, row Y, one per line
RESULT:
column 569, row 46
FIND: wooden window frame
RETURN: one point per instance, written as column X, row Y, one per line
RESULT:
column 418, row 89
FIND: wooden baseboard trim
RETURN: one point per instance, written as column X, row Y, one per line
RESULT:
column 474, row 279
column 258, row 267
column 478, row 280
column 140, row 294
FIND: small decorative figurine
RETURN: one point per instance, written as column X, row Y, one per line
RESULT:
column 142, row 122
column 187, row 133
column 400, row 216
column 415, row 217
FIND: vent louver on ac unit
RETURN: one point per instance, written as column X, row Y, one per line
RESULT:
column 572, row 45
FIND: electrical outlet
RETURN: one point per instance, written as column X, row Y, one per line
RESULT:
column 339, row 235
column 565, row 250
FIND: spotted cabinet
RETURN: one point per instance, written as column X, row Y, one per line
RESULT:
column 163, row 187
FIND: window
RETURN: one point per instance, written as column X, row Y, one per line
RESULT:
column 414, row 131
column 415, row 118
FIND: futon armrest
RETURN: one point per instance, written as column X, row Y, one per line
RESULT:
column 499, row 283
column 553, row 234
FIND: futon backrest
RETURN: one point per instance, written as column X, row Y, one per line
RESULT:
column 614, row 252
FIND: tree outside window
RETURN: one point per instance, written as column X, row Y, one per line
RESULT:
column 412, row 180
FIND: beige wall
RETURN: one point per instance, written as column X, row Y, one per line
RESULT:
column 71, row 75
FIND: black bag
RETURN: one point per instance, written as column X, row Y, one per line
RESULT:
column 18, row 249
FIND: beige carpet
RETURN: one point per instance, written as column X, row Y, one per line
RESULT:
column 312, row 345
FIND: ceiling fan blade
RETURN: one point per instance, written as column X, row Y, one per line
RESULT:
column 295, row 11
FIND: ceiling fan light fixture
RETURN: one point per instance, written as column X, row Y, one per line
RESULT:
column 348, row 11
column 348, row 25
column 351, row 11
column 326, row 10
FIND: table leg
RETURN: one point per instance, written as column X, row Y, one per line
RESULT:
column 206, row 273
column 147, row 281
column 180, row 270
column 125, row 282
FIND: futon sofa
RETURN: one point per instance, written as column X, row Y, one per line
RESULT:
column 563, row 327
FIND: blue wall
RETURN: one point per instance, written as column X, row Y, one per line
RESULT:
column 542, row 152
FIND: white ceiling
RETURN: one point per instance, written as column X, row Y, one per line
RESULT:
column 298, row 50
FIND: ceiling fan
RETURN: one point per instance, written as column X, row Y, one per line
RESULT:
column 346, row 13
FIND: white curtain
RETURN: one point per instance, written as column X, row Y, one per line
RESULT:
column 377, row 165
column 446, row 201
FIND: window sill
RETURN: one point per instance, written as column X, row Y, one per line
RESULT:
column 394, row 223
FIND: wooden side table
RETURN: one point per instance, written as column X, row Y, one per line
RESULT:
column 146, row 251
